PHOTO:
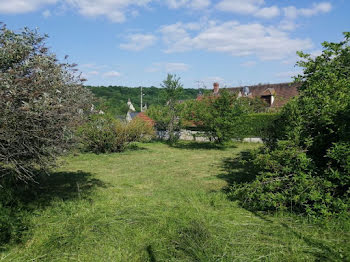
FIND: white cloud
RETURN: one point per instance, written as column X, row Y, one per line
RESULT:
column 317, row 8
column 249, row 63
column 199, row 4
column 249, row 7
column 93, row 66
column 287, row 25
column 257, row 9
column 22, row 6
column 138, row 42
column 119, row 10
column 112, row 74
column 266, row 42
column 90, row 73
column 93, row 73
column 268, row 12
column 194, row 4
column 240, row 6
column 176, row 67
column 114, row 10
column 46, row 13
column 168, row 67
column 292, row 12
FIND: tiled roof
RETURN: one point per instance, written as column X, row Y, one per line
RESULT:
column 145, row 118
column 282, row 92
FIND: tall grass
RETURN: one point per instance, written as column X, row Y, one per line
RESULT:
column 162, row 203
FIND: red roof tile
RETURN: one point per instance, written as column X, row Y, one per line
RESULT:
column 282, row 92
column 145, row 118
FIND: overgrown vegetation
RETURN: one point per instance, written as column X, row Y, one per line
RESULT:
column 105, row 134
column 160, row 203
column 222, row 117
column 41, row 103
column 167, row 117
column 305, row 166
column 165, row 203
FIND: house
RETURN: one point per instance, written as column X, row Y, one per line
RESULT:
column 275, row 95
column 145, row 118
column 139, row 115
column 132, row 114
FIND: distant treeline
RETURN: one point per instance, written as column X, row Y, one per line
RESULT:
column 114, row 98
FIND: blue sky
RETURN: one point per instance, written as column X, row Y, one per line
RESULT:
column 137, row 42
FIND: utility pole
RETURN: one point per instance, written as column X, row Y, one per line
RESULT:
column 141, row 100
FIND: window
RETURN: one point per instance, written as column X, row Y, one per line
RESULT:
column 267, row 99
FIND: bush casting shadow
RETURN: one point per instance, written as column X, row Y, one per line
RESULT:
column 238, row 170
column 135, row 147
column 17, row 200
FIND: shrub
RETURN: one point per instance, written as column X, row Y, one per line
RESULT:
column 41, row 103
column 287, row 182
column 219, row 116
column 305, row 166
column 160, row 115
column 104, row 134
column 256, row 124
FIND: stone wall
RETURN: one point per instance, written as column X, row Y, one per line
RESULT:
column 189, row 135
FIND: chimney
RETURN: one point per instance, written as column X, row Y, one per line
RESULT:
column 216, row 88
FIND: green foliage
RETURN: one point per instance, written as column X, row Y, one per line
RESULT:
column 114, row 98
column 161, row 116
column 305, row 165
column 104, row 134
column 160, row 203
column 41, row 103
column 172, row 92
column 219, row 116
column 256, row 124
column 287, row 182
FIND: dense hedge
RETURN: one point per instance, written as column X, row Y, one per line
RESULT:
column 252, row 125
column 256, row 125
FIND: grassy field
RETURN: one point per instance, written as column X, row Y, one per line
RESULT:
column 161, row 203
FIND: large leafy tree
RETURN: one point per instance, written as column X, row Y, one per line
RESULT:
column 41, row 103
column 306, row 163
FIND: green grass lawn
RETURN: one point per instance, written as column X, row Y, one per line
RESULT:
column 161, row 203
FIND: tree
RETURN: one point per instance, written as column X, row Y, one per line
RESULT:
column 41, row 103
column 219, row 116
column 173, row 90
column 305, row 165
